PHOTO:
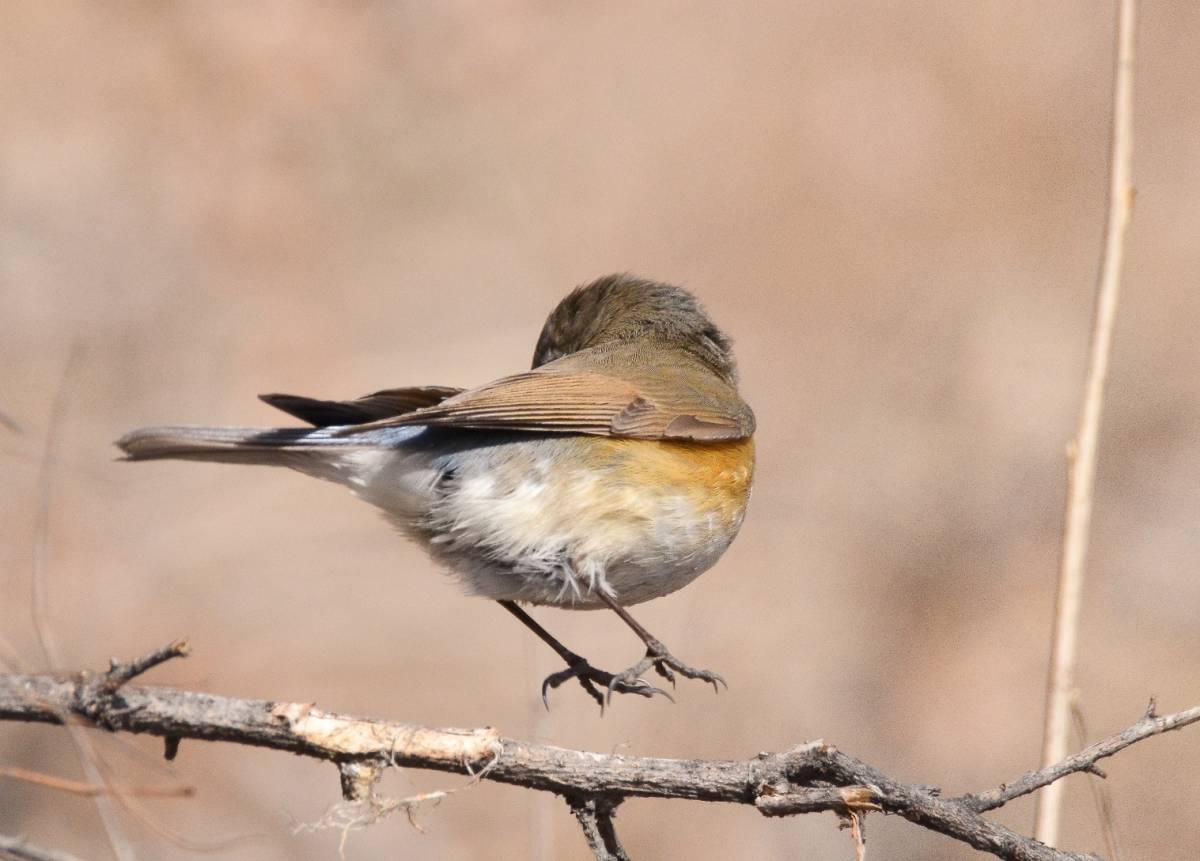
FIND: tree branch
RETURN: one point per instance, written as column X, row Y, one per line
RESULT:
column 595, row 817
column 811, row 778
column 1085, row 760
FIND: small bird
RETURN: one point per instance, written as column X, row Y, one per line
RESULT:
column 617, row 470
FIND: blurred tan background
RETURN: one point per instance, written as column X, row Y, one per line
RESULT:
column 895, row 209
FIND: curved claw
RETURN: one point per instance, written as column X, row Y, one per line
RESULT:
column 623, row 684
column 714, row 679
column 601, row 685
column 589, row 677
column 552, row 681
column 584, row 673
column 667, row 665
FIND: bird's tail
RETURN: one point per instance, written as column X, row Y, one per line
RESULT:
column 278, row 446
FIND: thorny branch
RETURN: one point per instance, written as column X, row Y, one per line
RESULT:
column 810, row 778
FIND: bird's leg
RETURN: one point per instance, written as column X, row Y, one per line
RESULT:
column 579, row 668
column 657, row 655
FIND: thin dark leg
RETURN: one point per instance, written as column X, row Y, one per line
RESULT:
column 651, row 641
column 543, row 635
column 657, row 654
column 579, row 668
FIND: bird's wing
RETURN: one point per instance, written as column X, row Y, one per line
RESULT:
column 373, row 407
column 667, row 403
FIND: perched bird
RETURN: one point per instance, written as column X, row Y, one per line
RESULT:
column 616, row 471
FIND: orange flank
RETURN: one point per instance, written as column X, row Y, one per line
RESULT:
column 712, row 477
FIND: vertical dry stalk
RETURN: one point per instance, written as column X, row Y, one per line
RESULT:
column 1082, row 452
column 121, row 848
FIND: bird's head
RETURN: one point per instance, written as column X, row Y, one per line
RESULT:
column 625, row 308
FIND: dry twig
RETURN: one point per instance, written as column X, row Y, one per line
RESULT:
column 595, row 816
column 810, row 778
column 78, row 787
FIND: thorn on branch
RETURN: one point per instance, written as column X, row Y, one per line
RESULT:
column 1152, row 709
column 170, row 747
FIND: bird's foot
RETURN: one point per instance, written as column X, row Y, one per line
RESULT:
column 666, row 665
column 589, row 677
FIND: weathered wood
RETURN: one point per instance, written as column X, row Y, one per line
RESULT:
column 809, row 778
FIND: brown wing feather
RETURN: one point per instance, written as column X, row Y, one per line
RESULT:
column 669, row 402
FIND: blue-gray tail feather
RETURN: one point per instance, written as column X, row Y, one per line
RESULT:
column 251, row 445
